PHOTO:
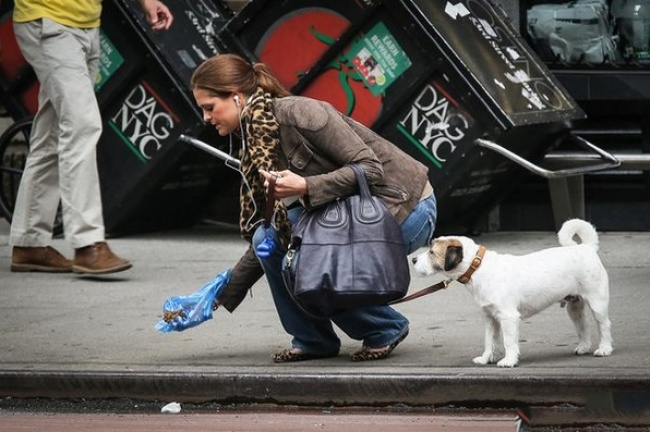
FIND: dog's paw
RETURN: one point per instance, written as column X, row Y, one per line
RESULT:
column 482, row 360
column 507, row 362
column 603, row 351
column 582, row 349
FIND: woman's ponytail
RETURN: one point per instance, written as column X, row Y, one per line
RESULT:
column 225, row 74
column 268, row 81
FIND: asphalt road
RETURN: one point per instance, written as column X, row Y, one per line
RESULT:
column 253, row 422
column 110, row 415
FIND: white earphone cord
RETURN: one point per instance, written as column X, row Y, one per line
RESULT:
column 249, row 224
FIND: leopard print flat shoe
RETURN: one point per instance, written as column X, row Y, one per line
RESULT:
column 296, row 354
column 368, row 353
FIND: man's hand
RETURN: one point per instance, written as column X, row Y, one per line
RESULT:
column 158, row 15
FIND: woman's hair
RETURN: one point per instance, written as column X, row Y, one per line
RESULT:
column 225, row 74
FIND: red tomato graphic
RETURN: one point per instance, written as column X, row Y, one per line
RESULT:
column 364, row 107
column 296, row 42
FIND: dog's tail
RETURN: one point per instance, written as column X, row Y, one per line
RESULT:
column 582, row 229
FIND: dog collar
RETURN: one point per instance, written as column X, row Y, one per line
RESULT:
column 476, row 263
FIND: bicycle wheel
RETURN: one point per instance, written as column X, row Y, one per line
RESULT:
column 14, row 146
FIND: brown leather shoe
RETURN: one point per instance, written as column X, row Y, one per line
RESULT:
column 39, row 259
column 98, row 259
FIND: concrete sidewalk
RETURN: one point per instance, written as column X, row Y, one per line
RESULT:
column 71, row 336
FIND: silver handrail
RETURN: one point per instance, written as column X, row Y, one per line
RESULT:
column 229, row 160
column 609, row 161
column 629, row 161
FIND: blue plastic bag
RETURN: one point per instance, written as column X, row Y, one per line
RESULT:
column 183, row 312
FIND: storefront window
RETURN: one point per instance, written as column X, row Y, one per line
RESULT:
column 590, row 32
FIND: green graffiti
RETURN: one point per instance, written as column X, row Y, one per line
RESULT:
column 349, row 94
column 349, row 73
column 327, row 40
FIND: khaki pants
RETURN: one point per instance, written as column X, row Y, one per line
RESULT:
column 62, row 162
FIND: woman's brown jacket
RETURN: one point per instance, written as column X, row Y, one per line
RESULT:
column 319, row 143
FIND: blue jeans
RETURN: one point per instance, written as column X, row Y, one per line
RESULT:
column 376, row 326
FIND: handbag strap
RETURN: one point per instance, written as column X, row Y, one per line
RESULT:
column 424, row 291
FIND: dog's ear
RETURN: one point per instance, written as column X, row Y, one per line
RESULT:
column 453, row 257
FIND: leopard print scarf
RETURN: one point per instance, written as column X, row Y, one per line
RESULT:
column 260, row 152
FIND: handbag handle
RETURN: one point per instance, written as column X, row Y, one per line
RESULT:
column 369, row 212
column 364, row 189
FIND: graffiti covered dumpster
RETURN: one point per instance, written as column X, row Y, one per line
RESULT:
column 449, row 82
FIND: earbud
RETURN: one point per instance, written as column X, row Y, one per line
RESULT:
column 236, row 98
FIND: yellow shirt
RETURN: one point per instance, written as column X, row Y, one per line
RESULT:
column 71, row 13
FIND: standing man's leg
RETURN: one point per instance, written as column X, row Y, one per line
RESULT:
column 39, row 193
column 65, row 61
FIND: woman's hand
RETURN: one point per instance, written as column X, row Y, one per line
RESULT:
column 287, row 183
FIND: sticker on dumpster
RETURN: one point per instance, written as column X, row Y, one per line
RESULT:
column 379, row 58
column 110, row 61
column 144, row 121
column 434, row 124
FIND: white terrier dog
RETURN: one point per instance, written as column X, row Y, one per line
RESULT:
column 508, row 287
